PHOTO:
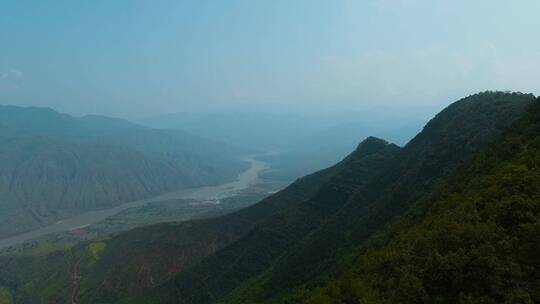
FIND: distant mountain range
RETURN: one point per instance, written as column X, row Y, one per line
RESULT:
column 451, row 217
column 298, row 144
column 54, row 165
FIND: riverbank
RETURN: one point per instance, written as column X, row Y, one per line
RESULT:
column 209, row 193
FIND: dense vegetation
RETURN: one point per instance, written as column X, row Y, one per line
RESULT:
column 278, row 233
column 447, row 141
column 54, row 165
column 452, row 217
column 478, row 243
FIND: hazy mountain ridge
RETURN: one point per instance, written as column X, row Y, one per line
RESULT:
column 300, row 143
column 279, row 250
column 54, row 165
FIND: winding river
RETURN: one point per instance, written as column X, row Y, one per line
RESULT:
column 244, row 180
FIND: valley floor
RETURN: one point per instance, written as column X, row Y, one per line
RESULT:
column 176, row 206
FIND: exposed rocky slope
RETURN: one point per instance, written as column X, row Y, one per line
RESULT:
column 53, row 165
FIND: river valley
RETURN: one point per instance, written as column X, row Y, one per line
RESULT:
column 209, row 194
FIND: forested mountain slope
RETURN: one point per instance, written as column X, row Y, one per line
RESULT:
column 475, row 239
column 370, row 203
column 447, row 141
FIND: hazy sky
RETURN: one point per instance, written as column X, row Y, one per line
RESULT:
column 136, row 58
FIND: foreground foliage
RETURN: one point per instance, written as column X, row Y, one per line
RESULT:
column 479, row 242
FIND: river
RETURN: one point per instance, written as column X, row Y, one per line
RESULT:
column 243, row 181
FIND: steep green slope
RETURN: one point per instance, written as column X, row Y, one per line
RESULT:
column 302, row 243
column 446, row 142
column 478, row 242
column 278, row 233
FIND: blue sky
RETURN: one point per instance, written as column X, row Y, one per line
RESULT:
column 137, row 58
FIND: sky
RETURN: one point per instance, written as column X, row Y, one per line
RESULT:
column 140, row 58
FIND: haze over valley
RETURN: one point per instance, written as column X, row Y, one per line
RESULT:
column 269, row 152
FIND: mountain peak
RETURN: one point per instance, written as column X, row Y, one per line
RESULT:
column 371, row 145
column 490, row 111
